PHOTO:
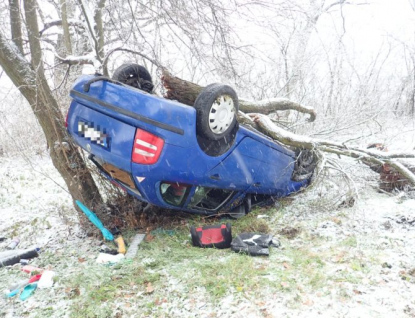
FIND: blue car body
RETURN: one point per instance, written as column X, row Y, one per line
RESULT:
column 105, row 119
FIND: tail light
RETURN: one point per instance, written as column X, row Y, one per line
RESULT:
column 147, row 147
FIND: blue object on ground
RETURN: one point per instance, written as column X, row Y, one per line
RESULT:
column 28, row 291
column 13, row 293
column 96, row 221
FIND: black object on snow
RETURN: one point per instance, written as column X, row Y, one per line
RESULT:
column 254, row 244
column 14, row 256
column 218, row 236
column 105, row 249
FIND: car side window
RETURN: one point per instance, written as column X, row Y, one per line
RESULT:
column 174, row 193
column 209, row 198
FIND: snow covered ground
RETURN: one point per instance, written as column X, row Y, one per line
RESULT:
column 366, row 253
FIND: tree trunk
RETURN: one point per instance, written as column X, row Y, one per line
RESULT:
column 99, row 29
column 16, row 24
column 65, row 28
column 186, row 93
column 30, row 79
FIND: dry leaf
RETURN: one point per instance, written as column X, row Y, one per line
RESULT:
column 149, row 288
column 308, row 302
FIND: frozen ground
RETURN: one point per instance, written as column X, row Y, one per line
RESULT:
column 367, row 254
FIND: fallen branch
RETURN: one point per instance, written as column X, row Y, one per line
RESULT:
column 264, row 124
column 268, row 106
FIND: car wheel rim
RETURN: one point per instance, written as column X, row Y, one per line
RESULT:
column 221, row 114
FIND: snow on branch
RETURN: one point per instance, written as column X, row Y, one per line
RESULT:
column 71, row 22
column 80, row 60
column 271, row 105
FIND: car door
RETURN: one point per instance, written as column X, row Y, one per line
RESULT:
column 253, row 163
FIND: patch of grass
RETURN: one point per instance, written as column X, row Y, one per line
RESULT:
column 307, row 265
column 351, row 241
column 45, row 312
column 98, row 289
column 234, row 273
column 251, row 223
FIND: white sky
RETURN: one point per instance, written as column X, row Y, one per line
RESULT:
column 367, row 25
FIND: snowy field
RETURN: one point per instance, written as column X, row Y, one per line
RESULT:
column 362, row 258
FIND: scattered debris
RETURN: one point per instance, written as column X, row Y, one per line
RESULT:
column 105, row 249
column 13, row 244
column 12, row 257
column 132, row 250
column 24, row 261
column 96, row 221
column 46, row 280
column 28, row 286
column 119, row 241
column 405, row 220
column 28, row 291
column 23, row 283
column 218, row 236
column 254, row 244
column 32, row 269
column 104, row 258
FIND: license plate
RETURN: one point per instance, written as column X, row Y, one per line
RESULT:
column 94, row 133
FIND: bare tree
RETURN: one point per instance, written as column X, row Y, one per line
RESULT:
column 28, row 75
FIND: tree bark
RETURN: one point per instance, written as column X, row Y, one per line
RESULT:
column 99, row 29
column 65, row 28
column 16, row 24
column 30, row 79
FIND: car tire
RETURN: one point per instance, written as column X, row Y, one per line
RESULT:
column 134, row 75
column 216, row 106
column 217, row 148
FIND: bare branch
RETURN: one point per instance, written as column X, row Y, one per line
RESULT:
column 268, row 106
column 71, row 22
column 105, row 61
column 265, row 125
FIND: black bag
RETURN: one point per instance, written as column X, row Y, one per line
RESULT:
column 218, row 236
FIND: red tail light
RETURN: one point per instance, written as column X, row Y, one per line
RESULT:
column 147, row 148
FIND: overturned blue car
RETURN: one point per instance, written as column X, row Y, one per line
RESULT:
column 195, row 159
